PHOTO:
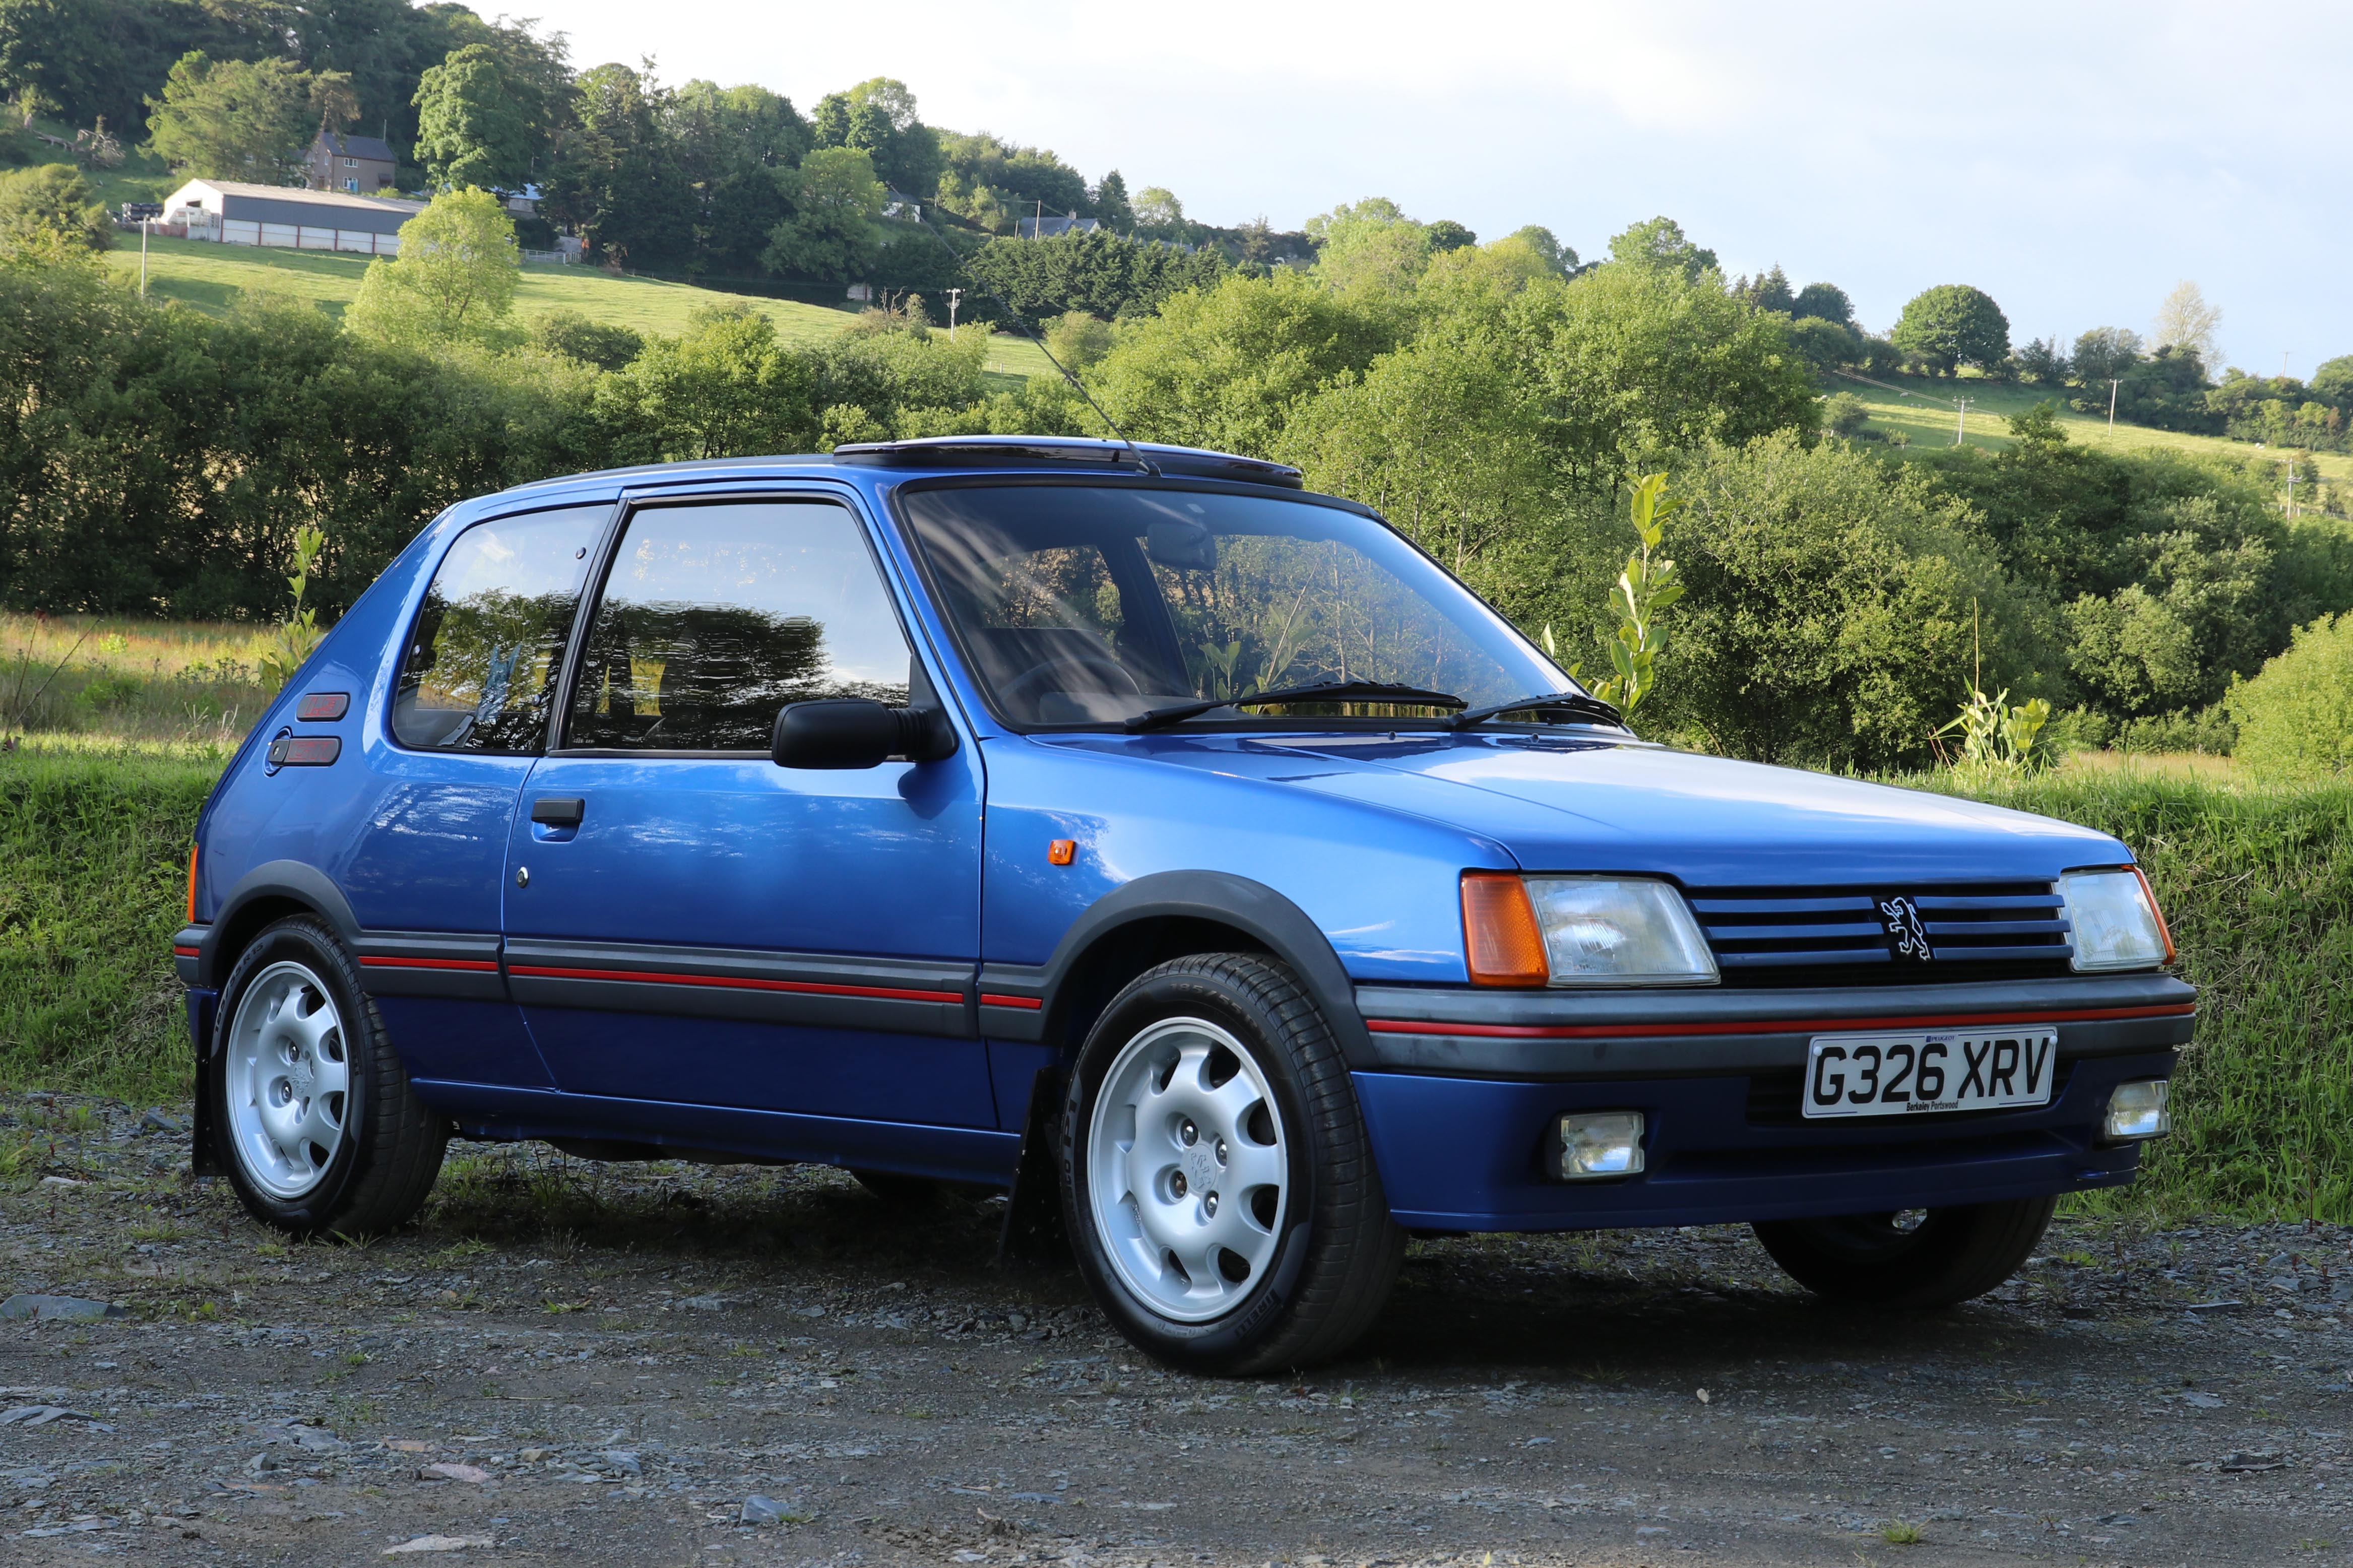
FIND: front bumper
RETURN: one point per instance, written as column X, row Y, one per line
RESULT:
column 1461, row 1094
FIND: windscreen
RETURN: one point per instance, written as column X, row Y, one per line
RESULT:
column 1081, row 606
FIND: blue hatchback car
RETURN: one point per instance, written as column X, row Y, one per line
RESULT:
column 1130, row 828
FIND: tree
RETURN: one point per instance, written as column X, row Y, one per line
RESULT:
column 724, row 389
column 2333, row 380
column 2187, row 321
column 1158, row 214
column 618, row 179
column 730, row 145
column 1099, row 273
column 2167, row 391
column 240, row 120
column 1824, row 302
column 48, row 214
column 1827, row 346
column 836, row 201
column 2102, row 354
column 1540, row 240
column 878, row 116
column 1951, row 325
column 61, row 52
column 2043, row 361
column 1225, row 367
column 1659, row 244
column 1634, row 364
column 1770, row 291
column 1829, row 611
column 1369, row 245
column 473, row 123
column 1446, row 234
column 1110, row 199
column 575, row 335
column 455, row 276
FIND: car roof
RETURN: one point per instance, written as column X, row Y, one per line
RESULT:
column 965, row 454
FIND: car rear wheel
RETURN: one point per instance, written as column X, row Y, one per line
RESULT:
column 1919, row 1259
column 314, row 1119
column 1218, row 1184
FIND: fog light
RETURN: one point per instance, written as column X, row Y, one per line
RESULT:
column 2140, row 1109
column 1594, row 1145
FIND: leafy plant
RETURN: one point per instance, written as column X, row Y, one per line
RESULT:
column 1993, row 736
column 299, row 634
column 1646, row 585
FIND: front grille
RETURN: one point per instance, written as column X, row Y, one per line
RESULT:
column 1973, row 930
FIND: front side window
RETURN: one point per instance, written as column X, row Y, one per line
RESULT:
column 714, row 616
column 480, row 668
column 1081, row 605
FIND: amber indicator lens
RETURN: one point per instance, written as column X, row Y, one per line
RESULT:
column 1499, row 930
column 1062, row 851
column 192, row 884
column 322, row 707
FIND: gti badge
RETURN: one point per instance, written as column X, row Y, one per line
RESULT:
column 1909, row 937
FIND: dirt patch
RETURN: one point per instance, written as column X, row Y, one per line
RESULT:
column 568, row 1361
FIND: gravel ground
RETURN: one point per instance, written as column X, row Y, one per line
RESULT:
column 578, row 1362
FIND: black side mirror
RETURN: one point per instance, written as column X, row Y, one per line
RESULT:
column 858, row 733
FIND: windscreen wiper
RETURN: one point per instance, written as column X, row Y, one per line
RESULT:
column 1554, row 701
column 1322, row 692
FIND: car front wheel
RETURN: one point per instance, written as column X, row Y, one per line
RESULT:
column 315, row 1121
column 1919, row 1259
column 1218, row 1184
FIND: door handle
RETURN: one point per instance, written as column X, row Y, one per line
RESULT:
column 554, row 813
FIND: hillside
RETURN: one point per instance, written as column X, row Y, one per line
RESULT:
column 1923, row 413
column 209, row 277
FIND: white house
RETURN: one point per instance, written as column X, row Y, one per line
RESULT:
column 235, row 213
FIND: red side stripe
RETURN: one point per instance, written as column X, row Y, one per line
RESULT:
column 733, row 982
column 479, row 965
column 990, row 999
column 1771, row 1027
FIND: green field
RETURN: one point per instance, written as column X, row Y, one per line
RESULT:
column 210, row 276
column 1923, row 412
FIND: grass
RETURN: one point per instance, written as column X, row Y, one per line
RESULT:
column 1922, row 413
column 211, row 275
column 178, row 688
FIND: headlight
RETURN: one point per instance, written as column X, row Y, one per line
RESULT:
column 2117, row 921
column 1581, row 931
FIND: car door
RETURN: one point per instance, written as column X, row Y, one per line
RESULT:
column 424, row 867
column 688, row 922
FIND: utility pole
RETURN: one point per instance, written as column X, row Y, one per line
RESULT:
column 1961, row 428
column 2112, row 403
column 954, row 296
column 142, row 259
column 2291, row 482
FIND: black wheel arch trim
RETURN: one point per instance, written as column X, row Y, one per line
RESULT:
column 290, row 882
column 1215, row 898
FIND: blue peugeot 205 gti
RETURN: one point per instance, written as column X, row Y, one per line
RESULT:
column 1128, row 827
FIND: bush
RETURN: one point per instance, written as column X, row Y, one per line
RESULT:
column 1844, row 414
column 2295, row 717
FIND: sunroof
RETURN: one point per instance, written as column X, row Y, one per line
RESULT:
column 1033, row 451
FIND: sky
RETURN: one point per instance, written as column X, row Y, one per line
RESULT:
column 2075, row 159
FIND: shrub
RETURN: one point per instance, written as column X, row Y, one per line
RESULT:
column 2295, row 717
column 1843, row 414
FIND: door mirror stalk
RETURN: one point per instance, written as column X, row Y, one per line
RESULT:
column 858, row 733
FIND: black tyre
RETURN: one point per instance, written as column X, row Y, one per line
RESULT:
column 312, row 1117
column 1909, row 1261
column 1218, row 1184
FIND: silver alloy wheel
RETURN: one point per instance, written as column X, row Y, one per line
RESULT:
column 287, row 1081
column 1187, row 1172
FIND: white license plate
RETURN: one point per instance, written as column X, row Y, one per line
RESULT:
column 1904, row 1075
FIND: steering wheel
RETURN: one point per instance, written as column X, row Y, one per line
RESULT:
column 1097, row 671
